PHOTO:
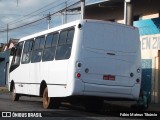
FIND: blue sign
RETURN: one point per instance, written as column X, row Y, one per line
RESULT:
column 148, row 27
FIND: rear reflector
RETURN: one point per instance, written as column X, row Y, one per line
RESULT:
column 108, row 77
column 138, row 80
column 78, row 75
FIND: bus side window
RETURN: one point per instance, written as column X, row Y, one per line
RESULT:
column 65, row 44
column 62, row 37
column 50, row 47
column 17, row 57
column 70, row 36
column 37, row 49
column 27, row 51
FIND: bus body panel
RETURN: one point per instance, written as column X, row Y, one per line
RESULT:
column 110, row 51
column 18, row 77
column 58, row 72
column 109, row 55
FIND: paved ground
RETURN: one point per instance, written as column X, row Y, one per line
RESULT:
column 34, row 104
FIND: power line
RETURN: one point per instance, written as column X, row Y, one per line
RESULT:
column 23, row 19
column 35, row 26
column 41, row 18
column 29, row 15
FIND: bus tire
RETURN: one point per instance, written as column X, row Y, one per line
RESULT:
column 15, row 96
column 50, row 102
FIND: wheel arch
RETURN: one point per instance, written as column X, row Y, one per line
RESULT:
column 11, row 85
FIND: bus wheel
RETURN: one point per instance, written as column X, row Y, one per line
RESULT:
column 50, row 102
column 15, row 96
column 93, row 104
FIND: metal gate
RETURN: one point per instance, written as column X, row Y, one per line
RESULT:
column 4, row 59
column 147, row 77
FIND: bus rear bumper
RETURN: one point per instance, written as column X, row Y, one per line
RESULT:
column 126, row 92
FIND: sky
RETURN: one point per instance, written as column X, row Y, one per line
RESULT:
column 27, row 11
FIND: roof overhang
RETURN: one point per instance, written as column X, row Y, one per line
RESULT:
column 99, row 4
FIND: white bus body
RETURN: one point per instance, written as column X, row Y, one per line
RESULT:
column 104, row 61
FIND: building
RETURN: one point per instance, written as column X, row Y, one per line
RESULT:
column 4, row 61
column 1, row 46
column 146, row 16
column 12, row 43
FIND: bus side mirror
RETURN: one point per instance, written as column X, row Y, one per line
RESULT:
column 13, row 50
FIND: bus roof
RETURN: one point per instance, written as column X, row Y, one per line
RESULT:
column 67, row 25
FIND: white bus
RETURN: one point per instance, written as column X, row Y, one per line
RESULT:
column 85, row 58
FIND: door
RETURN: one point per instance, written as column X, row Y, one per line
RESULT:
column 16, row 70
column 25, row 65
column 7, row 71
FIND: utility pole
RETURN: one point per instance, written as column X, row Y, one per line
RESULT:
column 17, row 3
column 64, row 15
column 82, row 9
column 7, row 33
column 49, row 20
column 128, row 12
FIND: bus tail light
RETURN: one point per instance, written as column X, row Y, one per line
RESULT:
column 78, row 75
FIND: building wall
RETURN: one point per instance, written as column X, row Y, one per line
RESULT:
column 149, row 30
column 145, row 9
column 4, row 68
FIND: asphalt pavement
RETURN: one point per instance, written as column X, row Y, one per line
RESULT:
column 116, row 109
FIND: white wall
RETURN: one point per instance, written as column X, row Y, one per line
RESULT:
column 150, row 44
